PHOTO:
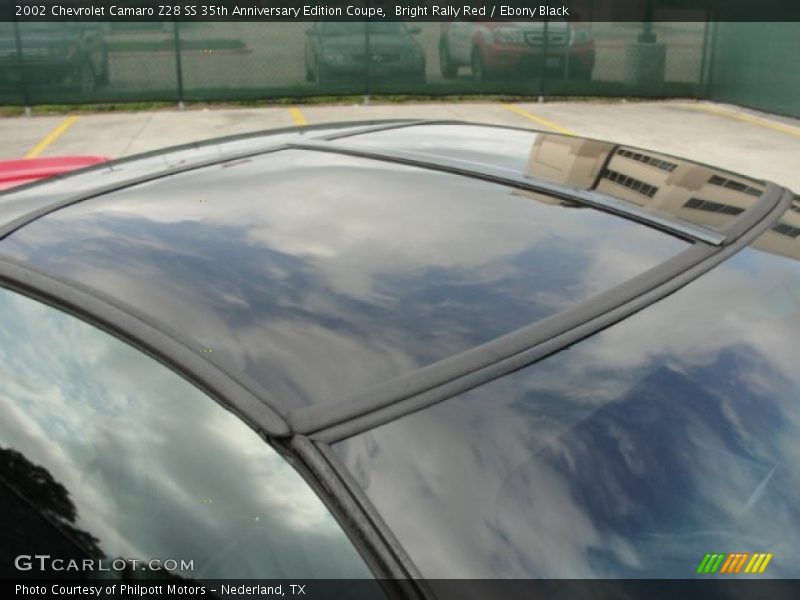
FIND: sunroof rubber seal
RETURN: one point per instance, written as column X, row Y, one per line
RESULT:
column 387, row 557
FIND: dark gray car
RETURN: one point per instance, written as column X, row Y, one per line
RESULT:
column 73, row 55
column 342, row 51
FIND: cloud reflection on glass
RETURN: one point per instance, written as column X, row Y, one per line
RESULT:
column 155, row 468
column 630, row 454
column 318, row 275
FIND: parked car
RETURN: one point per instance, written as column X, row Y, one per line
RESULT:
column 28, row 170
column 492, row 49
column 401, row 350
column 341, row 51
column 69, row 54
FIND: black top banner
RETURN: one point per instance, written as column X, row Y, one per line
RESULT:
column 399, row 10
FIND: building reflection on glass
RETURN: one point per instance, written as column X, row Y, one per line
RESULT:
column 685, row 190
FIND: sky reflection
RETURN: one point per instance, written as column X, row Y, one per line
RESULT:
column 155, row 468
column 318, row 275
column 631, row 454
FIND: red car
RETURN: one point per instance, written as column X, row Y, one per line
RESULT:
column 492, row 49
column 26, row 170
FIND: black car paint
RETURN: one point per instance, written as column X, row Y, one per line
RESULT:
column 120, row 292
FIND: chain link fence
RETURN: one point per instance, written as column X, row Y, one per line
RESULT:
column 64, row 63
column 756, row 65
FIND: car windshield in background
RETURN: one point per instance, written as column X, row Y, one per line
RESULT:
column 630, row 455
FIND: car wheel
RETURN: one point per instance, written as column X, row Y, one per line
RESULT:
column 446, row 65
column 478, row 66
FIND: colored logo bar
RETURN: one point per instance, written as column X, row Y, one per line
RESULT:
column 734, row 563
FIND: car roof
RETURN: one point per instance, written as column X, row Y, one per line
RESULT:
column 334, row 272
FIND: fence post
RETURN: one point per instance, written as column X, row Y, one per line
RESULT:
column 178, row 65
column 703, row 59
column 23, row 79
column 712, row 60
column 368, row 59
column 543, row 75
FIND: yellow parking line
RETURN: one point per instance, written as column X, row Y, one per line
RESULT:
column 297, row 116
column 537, row 119
column 51, row 137
column 748, row 118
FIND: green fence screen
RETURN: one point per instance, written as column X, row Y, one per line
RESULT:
column 56, row 63
column 756, row 65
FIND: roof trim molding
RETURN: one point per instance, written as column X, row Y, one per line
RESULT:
column 347, row 501
column 10, row 227
column 366, row 126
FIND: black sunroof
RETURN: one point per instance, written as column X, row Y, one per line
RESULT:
column 317, row 275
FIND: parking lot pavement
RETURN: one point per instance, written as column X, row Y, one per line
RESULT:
column 123, row 134
column 756, row 144
column 18, row 137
